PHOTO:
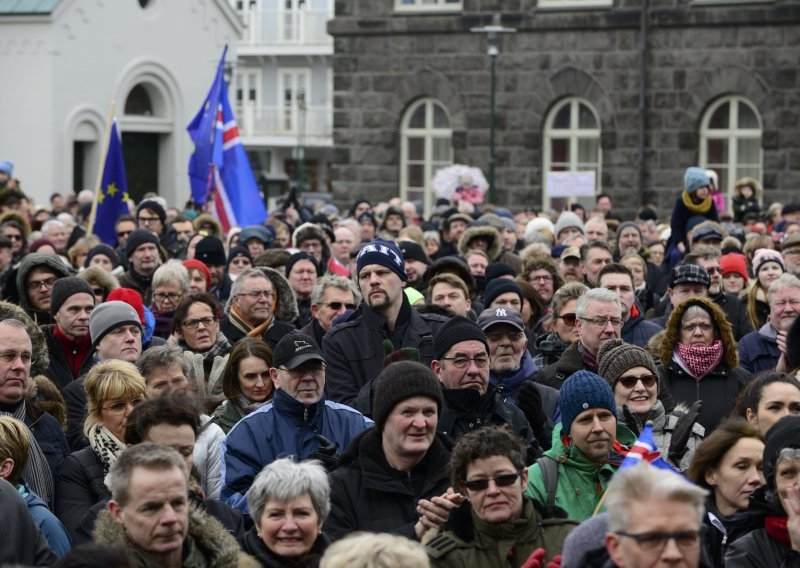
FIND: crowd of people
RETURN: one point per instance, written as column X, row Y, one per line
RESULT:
column 367, row 387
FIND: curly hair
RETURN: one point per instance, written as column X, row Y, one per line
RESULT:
column 481, row 444
column 532, row 263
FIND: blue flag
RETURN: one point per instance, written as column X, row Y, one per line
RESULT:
column 112, row 201
column 219, row 167
column 645, row 450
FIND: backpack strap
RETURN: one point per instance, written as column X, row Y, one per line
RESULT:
column 682, row 432
column 549, row 469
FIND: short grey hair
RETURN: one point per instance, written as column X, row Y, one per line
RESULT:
column 160, row 357
column 172, row 271
column 250, row 273
column 147, row 455
column 695, row 311
column 596, row 295
column 334, row 281
column 642, row 482
column 284, row 480
column 785, row 280
column 52, row 223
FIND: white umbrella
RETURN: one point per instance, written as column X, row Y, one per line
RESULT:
column 458, row 182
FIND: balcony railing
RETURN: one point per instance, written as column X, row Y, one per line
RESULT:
column 286, row 28
column 279, row 121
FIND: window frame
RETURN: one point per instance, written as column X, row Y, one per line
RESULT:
column 417, row 7
column 552, row 5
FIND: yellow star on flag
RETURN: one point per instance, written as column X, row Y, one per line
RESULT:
column 112, row 189
column 101, row 197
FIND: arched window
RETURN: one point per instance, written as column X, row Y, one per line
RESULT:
column 571, row 144
column 139, row 102
column 730, row 141
column 426, row 146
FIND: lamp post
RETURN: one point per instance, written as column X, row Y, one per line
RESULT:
column 492, row 50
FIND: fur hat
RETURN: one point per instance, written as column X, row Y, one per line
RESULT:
column 401, row 381
column 695, row 178
column 615, row 357
column 764, row 256
column 64, row 288
column 456, row 330
column 581, row 391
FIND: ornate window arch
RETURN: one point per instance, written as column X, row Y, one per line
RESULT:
column 730, row 141
column 571, row 144
column 426, row 145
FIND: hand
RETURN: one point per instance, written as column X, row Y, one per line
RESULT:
column 535, row 559
column 435, row 512
column 781, row 339
column 792, row 506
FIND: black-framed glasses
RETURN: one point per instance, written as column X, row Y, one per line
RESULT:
column 630, row 382
column 121, row 234
column 192, row 324
column 569, row 319
column 503, row 480
column 98, row 291
column 338, row 305
column 656, row 541
column 461, row 362
column 171, row 296
column 34, row 285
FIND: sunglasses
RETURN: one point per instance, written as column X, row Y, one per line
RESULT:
column 569, row 319
column 630, row 382
column 338, row 305
column 505, row 480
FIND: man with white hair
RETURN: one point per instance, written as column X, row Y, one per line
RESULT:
column 56, row 232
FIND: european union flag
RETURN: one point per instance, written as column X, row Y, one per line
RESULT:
column 112, row 201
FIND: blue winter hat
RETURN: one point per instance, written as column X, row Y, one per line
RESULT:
column 383, row 252
column 7, row 167
column 695, row 178
column 581, row 391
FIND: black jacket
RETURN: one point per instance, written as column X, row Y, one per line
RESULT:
column 75, row 399
column 313, row 329
column 59, row 370
column 759, row 550
column 715, row 541
column 79, row 486
column 354, row 350
column 169, row 240
column 735, row 313
column 142, row 284
column 367, row 494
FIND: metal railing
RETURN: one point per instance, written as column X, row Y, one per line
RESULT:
column 279, row 27
column 279, row 121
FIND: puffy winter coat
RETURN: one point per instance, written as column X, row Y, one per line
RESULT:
column 468, row 540
column 208, row 458
column 758, row 350
column 284, row 427
column 638, row 331
column 52, row 529
column 79, row 485
column 367, row 494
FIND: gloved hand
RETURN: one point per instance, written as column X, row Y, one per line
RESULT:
column 326, row 454
column 536, row 560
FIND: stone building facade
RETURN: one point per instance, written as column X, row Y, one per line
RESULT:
column 665, row 80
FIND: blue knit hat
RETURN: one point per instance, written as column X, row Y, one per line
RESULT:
column 581, row 391
column 383, row 252
column 695, row 178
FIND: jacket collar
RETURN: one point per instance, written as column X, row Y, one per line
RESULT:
column 288, row 405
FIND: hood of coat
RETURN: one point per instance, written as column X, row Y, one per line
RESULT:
column 285, row 302
column 31, row 261
column 44, row 395
column 672, row 332
column 487, row 232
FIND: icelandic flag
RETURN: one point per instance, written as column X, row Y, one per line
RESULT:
column 112, row 200
column 645, row 450
column 219, row 167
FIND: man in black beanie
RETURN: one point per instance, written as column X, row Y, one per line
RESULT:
column 68, row 340
column 393, row 478
column 211, row 252
column 470, row 401
column 151, row 215
column 141, row 250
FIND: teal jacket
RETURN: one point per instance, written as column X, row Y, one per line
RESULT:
column 581, row 483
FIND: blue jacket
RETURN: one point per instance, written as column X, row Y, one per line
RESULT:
column 52, row 529
column 638, row 331
column 283, row 428
column 758, row 350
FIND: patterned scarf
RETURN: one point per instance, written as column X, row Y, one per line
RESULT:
column 239, row 321
column 699, row 361
column 36, row 472
column 701, row 208
column 106, row 447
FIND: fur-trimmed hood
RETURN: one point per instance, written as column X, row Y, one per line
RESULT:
column 204, row 218
column 100, row 277
column 208, row 536
column 46, row 396
column 308, row 231
column 758, row 189
column 672, row 332
column 20, row 220
column 486, row 231
column 286, row 302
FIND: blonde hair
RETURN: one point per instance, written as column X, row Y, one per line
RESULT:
column 110, row 380
column 14, row 444
column 368, row 550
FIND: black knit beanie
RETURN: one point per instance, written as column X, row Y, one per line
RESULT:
column 153, row 206
column 785, row 433
column 138, row 238
column 238, row 251
column 498, row 287
column 401, row 381
column 106, row 251
column 456, row 330
column 615, row 357
column 297, row 257
column 63, row 288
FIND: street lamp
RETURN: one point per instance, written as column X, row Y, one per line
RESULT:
column 492, row 50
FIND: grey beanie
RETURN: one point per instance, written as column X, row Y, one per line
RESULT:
column 567, row 220
column 615, row 357
column 109, row 316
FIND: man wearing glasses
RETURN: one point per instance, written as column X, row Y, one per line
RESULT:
column 252, row 310
column 35, row 278
column 152, row 216
column 331, row 296
column 598, row 318
column 297, row 421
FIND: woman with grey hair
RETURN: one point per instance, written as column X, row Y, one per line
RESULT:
column 288, row 502
column 170, row 285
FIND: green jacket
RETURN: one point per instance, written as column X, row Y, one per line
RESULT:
column 581, row 483
column 468, row 541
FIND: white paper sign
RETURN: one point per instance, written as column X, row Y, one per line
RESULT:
column 570, row 184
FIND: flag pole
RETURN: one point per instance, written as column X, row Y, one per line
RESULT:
column 103, row 155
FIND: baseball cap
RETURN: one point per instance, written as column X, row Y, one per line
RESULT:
column 294, row 349
column 500, row 314
column 571, row 252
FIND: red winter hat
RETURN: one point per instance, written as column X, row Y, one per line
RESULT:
column 199, row 265
column 733, row 263
column 130, row 297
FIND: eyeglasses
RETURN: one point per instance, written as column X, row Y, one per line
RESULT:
column 256, row 295
column 34, row 285
column 9, row 357
column 121, row 405
column 143, row 219
column 461, row 362
column 338, row 305
column 690, row 327
column 543, row 278
column 123, row 233
column 630, row 382
column 317, row 371
column 192, row 324
column 569, row 319
column 495, row 336
column 171, row 296
column 601, row 323
column 504, row 480
column 656, row 541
